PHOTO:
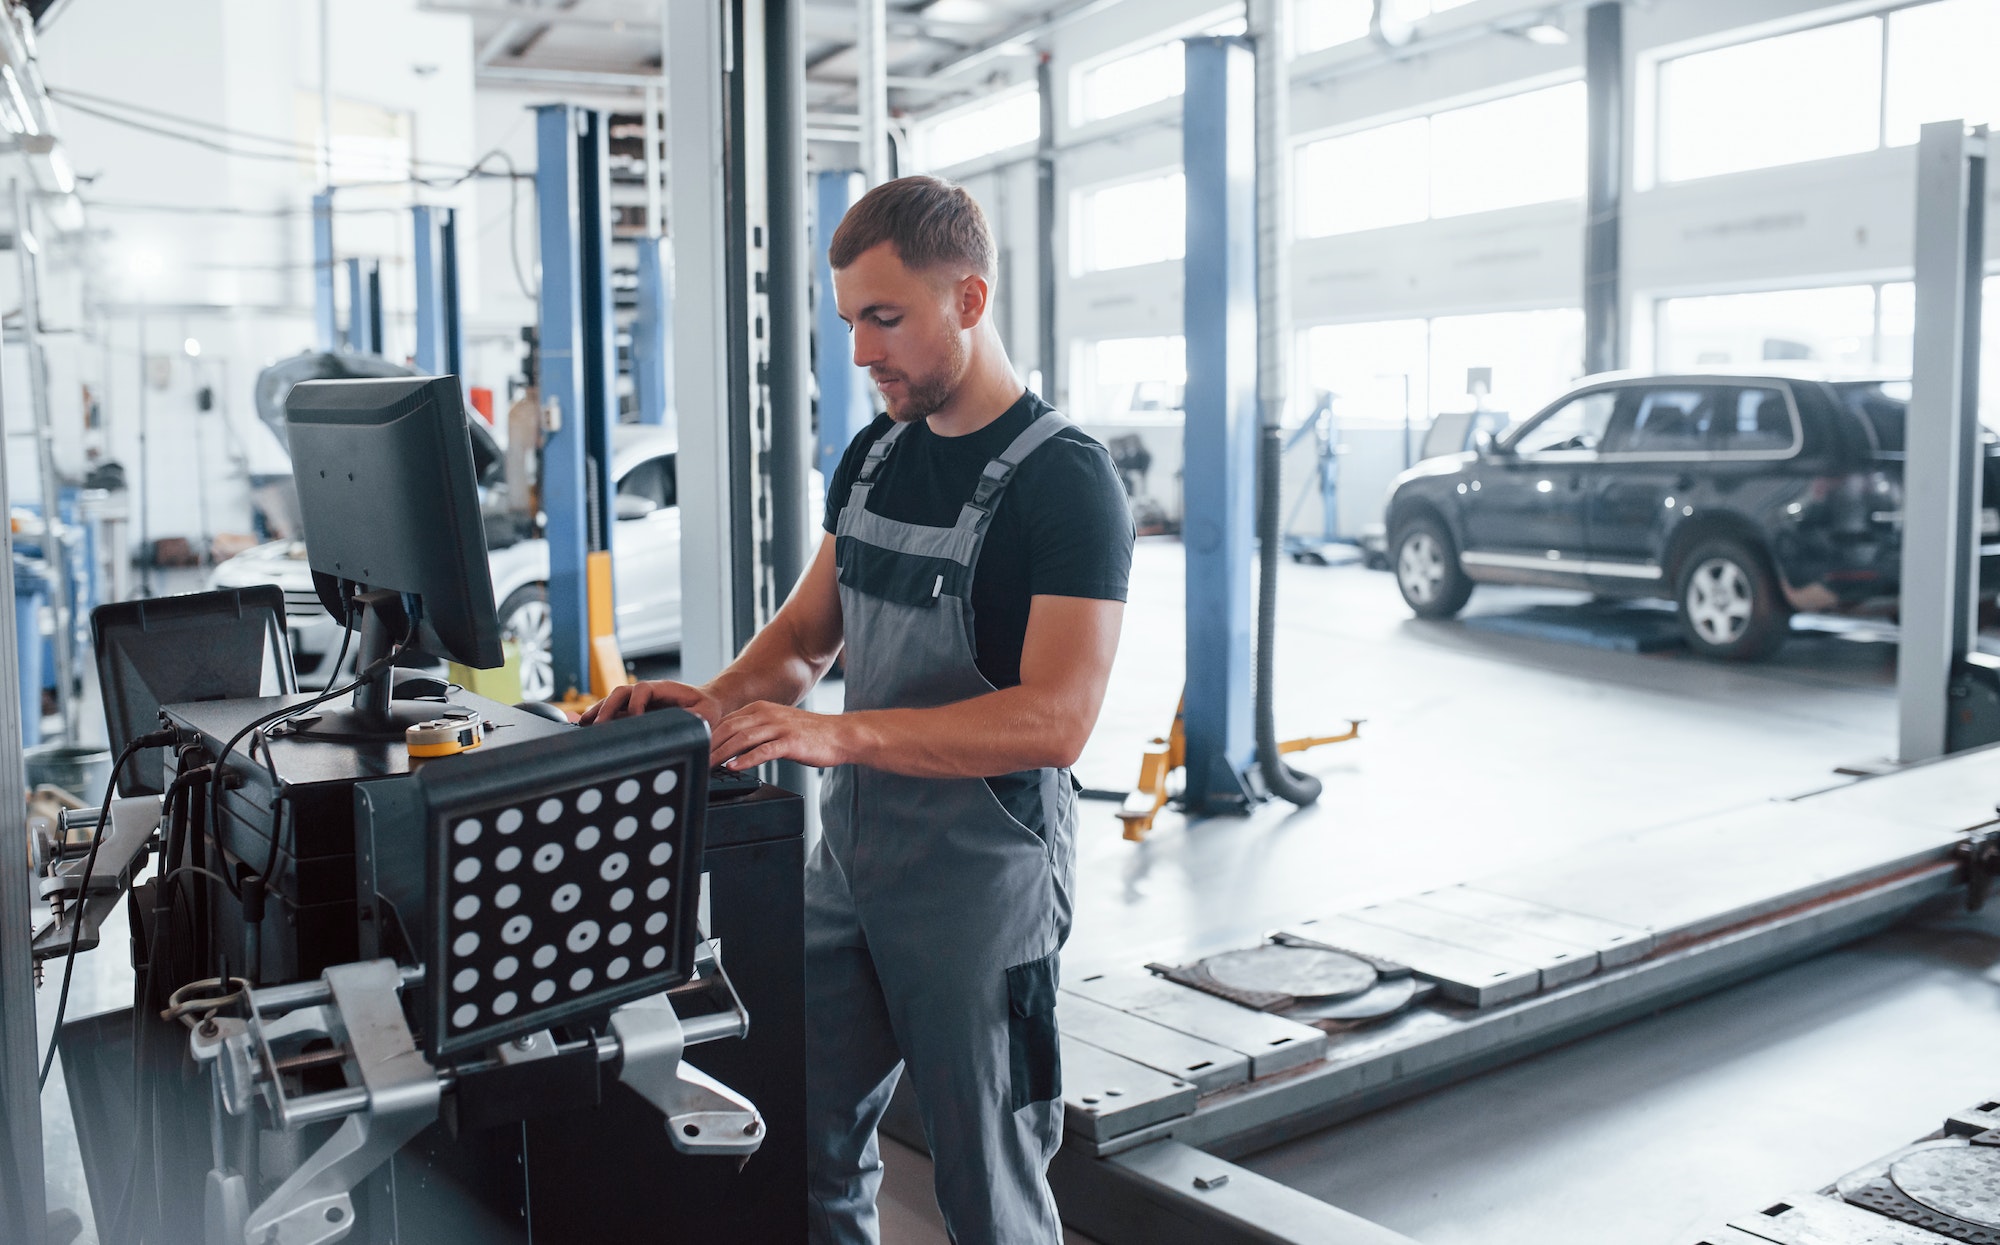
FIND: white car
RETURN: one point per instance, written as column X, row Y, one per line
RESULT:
column 645, row 560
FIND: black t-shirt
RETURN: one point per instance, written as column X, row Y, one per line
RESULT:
column 1062, row 527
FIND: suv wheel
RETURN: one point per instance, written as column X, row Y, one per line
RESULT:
column 525, row 619
column 1729, row 602
column 1427, row 570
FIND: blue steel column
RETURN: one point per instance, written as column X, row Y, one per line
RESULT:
column 844, row 405
column 566, row 419
column 652, row 330
column 597, row 351
column 440, row 346
column 325, row 330
column 358, row 316
column 1220, row 433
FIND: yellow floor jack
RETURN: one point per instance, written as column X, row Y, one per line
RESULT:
column 1162, row 757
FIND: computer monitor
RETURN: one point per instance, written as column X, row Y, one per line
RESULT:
column 389, row 503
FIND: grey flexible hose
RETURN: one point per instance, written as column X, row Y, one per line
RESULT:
column 1280, row 779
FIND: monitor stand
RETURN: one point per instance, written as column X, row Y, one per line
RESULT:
column 377, row 716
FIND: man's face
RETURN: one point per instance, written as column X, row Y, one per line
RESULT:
column 911, row 330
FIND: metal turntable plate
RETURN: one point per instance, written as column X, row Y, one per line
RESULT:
column 1381, row 1000
column 1302, row 972
column 1963, row 1182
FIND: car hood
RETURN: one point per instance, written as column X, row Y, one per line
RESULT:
column 280, row 562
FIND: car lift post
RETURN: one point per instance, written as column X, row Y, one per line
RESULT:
column 326, row 332
column 440, row 331
column 364, row 306
column 1220, row 430
column 578, row 386
column 653, row 334
column 845, row 406
column 1941, row 471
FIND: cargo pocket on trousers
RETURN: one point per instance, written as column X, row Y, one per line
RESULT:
column 1035, row 1061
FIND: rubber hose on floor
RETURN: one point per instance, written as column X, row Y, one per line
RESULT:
column 1280, row 779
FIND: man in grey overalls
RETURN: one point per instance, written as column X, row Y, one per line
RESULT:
column 974, row 576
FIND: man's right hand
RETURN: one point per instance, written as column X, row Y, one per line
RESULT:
column 636, row 698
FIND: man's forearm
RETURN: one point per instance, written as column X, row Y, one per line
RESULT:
column 1016, row 728
column 773, row 667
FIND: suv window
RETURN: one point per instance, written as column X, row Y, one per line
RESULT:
column 1884, row 405
column 1576, row 425
column 1666, row 421
column 1762, row 420
column 652, row 480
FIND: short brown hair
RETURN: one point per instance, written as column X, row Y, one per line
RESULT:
column 931, row 222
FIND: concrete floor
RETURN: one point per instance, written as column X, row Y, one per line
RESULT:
column 1482, row 751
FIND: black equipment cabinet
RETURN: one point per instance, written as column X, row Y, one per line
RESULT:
column 605, row 1173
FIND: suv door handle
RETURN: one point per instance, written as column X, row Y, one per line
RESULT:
column 1575, row 481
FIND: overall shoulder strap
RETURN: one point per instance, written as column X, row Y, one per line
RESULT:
column 879, row 451
column 1000, row 471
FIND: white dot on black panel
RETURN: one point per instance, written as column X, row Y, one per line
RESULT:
column 656, row 922
column 543, row 991
column 566, row 897
column 516, row 930
column 656, row 889
column 507, row 896
column 664, row 781
column 663, row 817
column 614, row 867
column 548, row 810
column 588, row 802
column 466, row 908
column 547, row 857
column 621, row 899
column 583, row 936
column 504, row 1003
column 587, row 838
column 654, row 957
column 619, row 934
column 464, row 1016
column 626, row 827
column 508, row 860
column 579, row 981
column 466, row 943
column 467, row 832
column 628, row 791
column 506, row 968
column 509, row 821
column 466, row 869
column 545, row 955
column 661, row 853
column 465, row 979
column 618, row 968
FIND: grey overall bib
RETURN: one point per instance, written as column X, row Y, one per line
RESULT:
column 933, row 916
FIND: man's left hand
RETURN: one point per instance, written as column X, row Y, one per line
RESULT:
column 763, row 731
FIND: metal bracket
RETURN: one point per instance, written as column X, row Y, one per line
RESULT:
column 1979, row 858
column 704, row 1116
column 392, row 1094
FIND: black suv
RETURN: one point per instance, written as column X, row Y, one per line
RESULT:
column 1739, row 498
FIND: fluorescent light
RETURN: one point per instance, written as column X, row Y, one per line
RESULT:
column 193, row 348
column 1546, row 32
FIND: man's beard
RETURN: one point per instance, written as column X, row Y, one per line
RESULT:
column 924, row 395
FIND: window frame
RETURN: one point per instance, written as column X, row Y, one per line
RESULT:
column 1710, row 455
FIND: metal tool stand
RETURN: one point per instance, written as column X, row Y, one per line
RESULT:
column 23, row 1205
column 1941, row 476
column 1163, row 1084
